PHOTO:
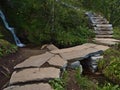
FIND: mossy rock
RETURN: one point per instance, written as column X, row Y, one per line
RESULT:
column 6, row 48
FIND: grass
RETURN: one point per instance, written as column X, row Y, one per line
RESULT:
column 60, row 83
column 6, row 48
column 110, row 65
column 116, row 32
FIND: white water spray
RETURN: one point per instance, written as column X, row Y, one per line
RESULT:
column 11, row 29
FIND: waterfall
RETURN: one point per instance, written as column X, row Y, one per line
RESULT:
column 11, row 29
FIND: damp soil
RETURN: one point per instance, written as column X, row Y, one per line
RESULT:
column 7, row 63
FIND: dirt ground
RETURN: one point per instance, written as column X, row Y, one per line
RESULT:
column 7, row 63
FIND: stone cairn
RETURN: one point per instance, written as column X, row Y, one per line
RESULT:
column 102, row 28
column 35, row 72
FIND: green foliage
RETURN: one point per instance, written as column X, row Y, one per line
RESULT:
column 59, row 83
column 110, row 65
column 6, row 48
column 109, row 8
column 84, row 83
column 116, row 32
column 35, row 18
column 109, row 86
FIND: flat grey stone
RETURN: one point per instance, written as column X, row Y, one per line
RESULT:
column 99, row 20
column 34, row 74
column 75, row 65
column 104, row 25
column 40, row 86
column 57, row 61
column 35, row 61
column 106, row 41
column 104, row 36
column 103, row 28
column 103, row 32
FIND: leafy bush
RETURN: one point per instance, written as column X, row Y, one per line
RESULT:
column 109, row 86
column 6, row 48
column 84, row 83
column 116, row 32
column 109, row 8
column 110, row 65
column 62, row 26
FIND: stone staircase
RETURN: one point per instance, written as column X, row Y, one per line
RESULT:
column 35, row 72
column 102, row 29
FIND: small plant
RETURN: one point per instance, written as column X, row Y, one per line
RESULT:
column 109, row 86
column 6, row 48
column 60, row 83
column 116, row 32
column 84, row 83
column 110, row 65
column 57, row 84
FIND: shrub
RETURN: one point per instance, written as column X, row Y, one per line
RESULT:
column 42, row 24
column 109, row 8
column 109, row 86
column 6, row 48
column 116, row 32
column 110, row 65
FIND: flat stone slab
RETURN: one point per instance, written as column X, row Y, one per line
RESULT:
column 103, row 32
column 104, row 36
column 98, row 20
column 103, row 28
column 76, row 48
column 34, row 74
column 80, row 52
column 57, row 61
column 35, row 61
column 40, row 86
column 106, row 41
column 50, row 47
column 84, row 53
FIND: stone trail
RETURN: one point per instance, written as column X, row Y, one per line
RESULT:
column 34, row 74
column 102, row 29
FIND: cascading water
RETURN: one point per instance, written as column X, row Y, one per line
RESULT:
column 11, row 29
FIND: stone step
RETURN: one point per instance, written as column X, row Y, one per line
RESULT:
column 35, row 61
column 57, row 61
column 103, row 28
column 104, row 25
column 34, row 74
column 106, row 41
column 97, row 20
column 40, row 86
column 104, row 36
column 103, row 32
